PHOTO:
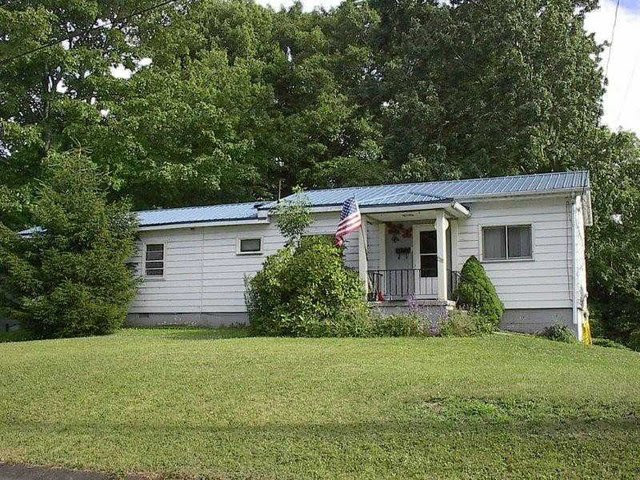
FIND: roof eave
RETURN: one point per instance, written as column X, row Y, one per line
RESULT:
column 384, row 208
column 503, row 195
column 208, row 223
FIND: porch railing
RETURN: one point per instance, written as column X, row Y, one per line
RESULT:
column 401, row 283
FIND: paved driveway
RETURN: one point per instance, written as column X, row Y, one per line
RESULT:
column 22, row 472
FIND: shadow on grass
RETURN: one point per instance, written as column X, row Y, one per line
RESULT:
column 577, row 448
column 169, row 332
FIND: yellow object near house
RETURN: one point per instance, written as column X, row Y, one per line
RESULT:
column 586, row 333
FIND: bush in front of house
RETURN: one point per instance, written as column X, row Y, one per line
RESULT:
column 307, row 292
column 458, row 323
column 607, row 342
column 559, row 333
column 69, row 277
column 476, row 293
column 398, row 325
column 634, row 340
column 293, row 217
column 19, row 335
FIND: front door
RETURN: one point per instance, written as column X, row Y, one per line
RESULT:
column 425, row 261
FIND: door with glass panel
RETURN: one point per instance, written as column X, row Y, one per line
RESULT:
column 425, row 261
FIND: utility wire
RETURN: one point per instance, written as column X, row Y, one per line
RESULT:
column 51, row 43
column 613, row 32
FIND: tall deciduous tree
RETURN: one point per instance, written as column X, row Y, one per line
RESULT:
column 613, row 251
column 43, row 91
column 487, row 88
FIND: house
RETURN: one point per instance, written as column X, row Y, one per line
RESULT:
column 528, row 231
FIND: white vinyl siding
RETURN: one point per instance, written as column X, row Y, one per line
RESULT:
column 373, row 248
column 202, row 271
column 545, row 281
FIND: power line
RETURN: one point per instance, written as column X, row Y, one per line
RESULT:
column 613, row 31
column 51, row 43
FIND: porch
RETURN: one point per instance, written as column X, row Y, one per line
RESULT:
column 410, row 255
column 407, row 284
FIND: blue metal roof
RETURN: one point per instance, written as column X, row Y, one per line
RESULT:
column 213, row 213
column 383, row 195
column 450, row 190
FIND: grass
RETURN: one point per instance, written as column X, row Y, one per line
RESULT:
column 218, row 404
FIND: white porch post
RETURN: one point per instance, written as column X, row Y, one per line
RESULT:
column 362, row 255
column 382, row 242
column 441, row 235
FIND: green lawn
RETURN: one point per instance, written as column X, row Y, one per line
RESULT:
column 186, row 402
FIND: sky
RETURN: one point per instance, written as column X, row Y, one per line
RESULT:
column 622, row 97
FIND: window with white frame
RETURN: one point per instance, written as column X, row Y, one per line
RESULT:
column 507, row 242
column 154, row 260
column 249, row 246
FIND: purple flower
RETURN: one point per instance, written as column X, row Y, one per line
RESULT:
column 412, row 303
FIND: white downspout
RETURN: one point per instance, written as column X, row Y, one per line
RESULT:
column 574, row 229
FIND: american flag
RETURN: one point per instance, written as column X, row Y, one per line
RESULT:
column 350, row 220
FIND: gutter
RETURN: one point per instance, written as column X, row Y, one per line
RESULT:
column 533, row 194
column 202, row 224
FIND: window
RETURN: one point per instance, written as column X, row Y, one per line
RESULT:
column 248, row 246
column 519, row 237
column 428, row 254
column 494, row 243
column 508, row 242
column 154, row 260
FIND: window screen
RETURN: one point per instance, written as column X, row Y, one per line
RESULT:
column 493, row 243
column 154, row 260
column 506, row 242
column 519, row 241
